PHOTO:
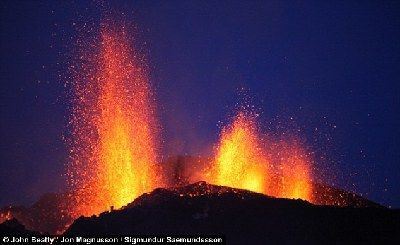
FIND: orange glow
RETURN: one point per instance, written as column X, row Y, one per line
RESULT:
column 296, row 178
column 114, row 127
column 240, row 162
column 245, row 159
column 4, row 216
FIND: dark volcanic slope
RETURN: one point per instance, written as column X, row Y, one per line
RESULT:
column 244, row 217
column 13, row 228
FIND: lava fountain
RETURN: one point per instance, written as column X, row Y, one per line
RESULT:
column 240, row 161
column 294, row 172
column 247, row 159
column 114, row 128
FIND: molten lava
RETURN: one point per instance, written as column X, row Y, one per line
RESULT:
column 295, row 173
column 114, row 150
column 240, row 160
column 246, row 159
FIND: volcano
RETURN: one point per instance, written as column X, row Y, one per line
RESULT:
column 241, row 215
column 244, row 217
column 51, row 213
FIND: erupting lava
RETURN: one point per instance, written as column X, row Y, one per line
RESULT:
column 240, row 160
column 114, row 132
column 113, row 153
column 294, row 171
column 247, row 160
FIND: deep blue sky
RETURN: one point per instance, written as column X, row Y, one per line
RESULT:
column 331, row 67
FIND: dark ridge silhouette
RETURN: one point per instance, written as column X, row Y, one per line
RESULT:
column 244, row 217
column 13, row 228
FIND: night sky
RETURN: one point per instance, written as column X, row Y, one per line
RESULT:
column 327, row 72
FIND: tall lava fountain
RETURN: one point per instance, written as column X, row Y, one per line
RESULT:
column 114, row 128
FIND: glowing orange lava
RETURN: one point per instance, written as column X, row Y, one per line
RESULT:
column 294, row 173
column 114, row 149
column 240, row 161
column 245, row 159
